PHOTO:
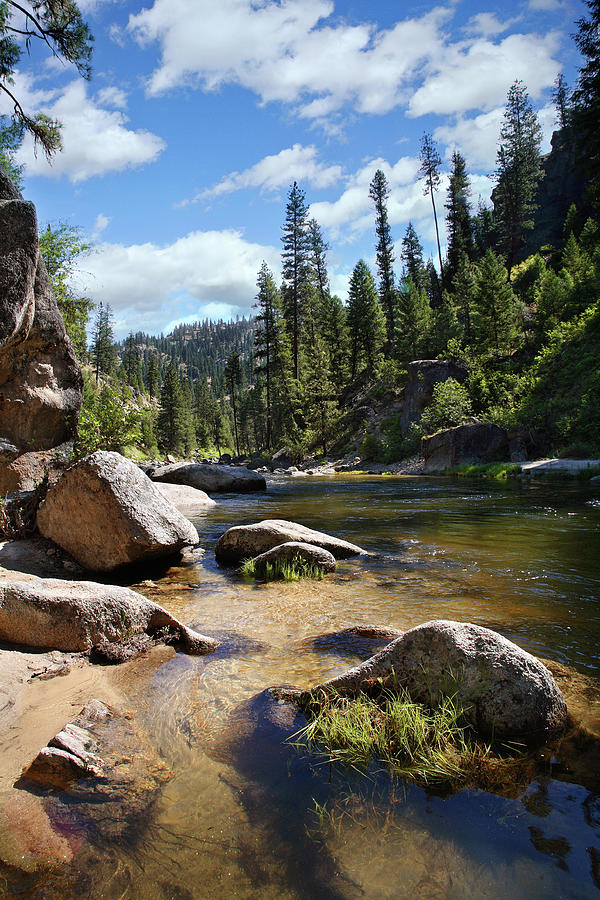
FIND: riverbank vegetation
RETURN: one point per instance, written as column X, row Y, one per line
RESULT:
column 429, row 747
column 282, row 570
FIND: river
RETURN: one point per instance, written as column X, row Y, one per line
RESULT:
column 248, row 815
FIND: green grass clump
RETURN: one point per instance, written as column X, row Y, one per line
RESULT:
column 426, row 746
column 498, row 471
column 282, row 570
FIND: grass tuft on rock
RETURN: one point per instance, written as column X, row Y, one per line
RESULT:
column 282, row 570
column 426, row 746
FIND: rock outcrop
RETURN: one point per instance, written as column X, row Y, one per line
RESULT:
column 212, row 479
column 248, row 541
column 106, row 513
column 475, row 443
column 28, row 470
column 310, row 553
column 423, row 375
column 40, row 379
column 505, row 692
column 77, row 616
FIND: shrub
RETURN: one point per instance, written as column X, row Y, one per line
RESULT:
column 450, row 406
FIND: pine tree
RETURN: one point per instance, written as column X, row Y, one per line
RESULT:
column 318, row 260
column 366, row 322
column 152, row 377
column 170, row 424
column 460, row 236
column 379, row 192
column 560, row 98
column 269, row 341
column 586, row 97
column 103, row 351
column 495, row 306
column 296, row 269
column 412, row 257
column 233, row 378
column 430, row 171
column 334, row 330
column 463, row 292
column 518, row 172
column 413, row 321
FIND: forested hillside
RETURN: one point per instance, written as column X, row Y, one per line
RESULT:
column 514, row 299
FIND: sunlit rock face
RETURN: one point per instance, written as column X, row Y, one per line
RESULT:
column 40, row 380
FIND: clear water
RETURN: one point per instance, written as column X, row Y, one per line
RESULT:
column 245, row 815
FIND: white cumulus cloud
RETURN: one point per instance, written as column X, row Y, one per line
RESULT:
column 95, row 140
column 295, row 163
column 296, row 52
column 150, row 283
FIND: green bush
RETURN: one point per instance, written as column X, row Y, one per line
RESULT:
column 450, row 406
column 371, row 448
column 105, row 423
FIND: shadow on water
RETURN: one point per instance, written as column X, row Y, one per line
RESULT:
column 279, row 790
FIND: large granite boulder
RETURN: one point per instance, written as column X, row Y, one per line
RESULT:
column 310, row 553
column 106, row 513
column 423, row 375
column 212, row 479
column 477, row 442
column 247, row 541
column 40, row 380
column 78, row 616
column 505, row 692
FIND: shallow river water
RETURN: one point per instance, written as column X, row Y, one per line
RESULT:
column 247, row 815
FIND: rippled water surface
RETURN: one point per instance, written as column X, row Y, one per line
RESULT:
column 245, row 815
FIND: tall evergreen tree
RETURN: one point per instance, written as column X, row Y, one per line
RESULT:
column 318, row 261
column 495, row 312
column 296, row 269
column 460, row 236
column 413, row 321
column 170, row 424
column 560, row 97
column 102, row 349
column 379, row 192
column 412, row 257
column 430, row 171
column 366, row 321
column 586, row 97
column 233, row 378
column 517, row 173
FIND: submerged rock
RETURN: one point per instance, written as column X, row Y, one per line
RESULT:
column 76, row 616
column 505, row 692
column 247, row 541
column 311, row 554
column 212, row 479
column 106, row 513
column 185, row 498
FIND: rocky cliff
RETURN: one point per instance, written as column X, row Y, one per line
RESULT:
column 40, row 379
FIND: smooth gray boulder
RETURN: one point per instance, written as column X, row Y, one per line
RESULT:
column 76, row 616
column 506, row 692
column 248, row 541
column 212, row 479
column 315, row 556
column 106, row 513
column 185, row 498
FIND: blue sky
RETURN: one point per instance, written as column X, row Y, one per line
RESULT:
column 179, row 154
